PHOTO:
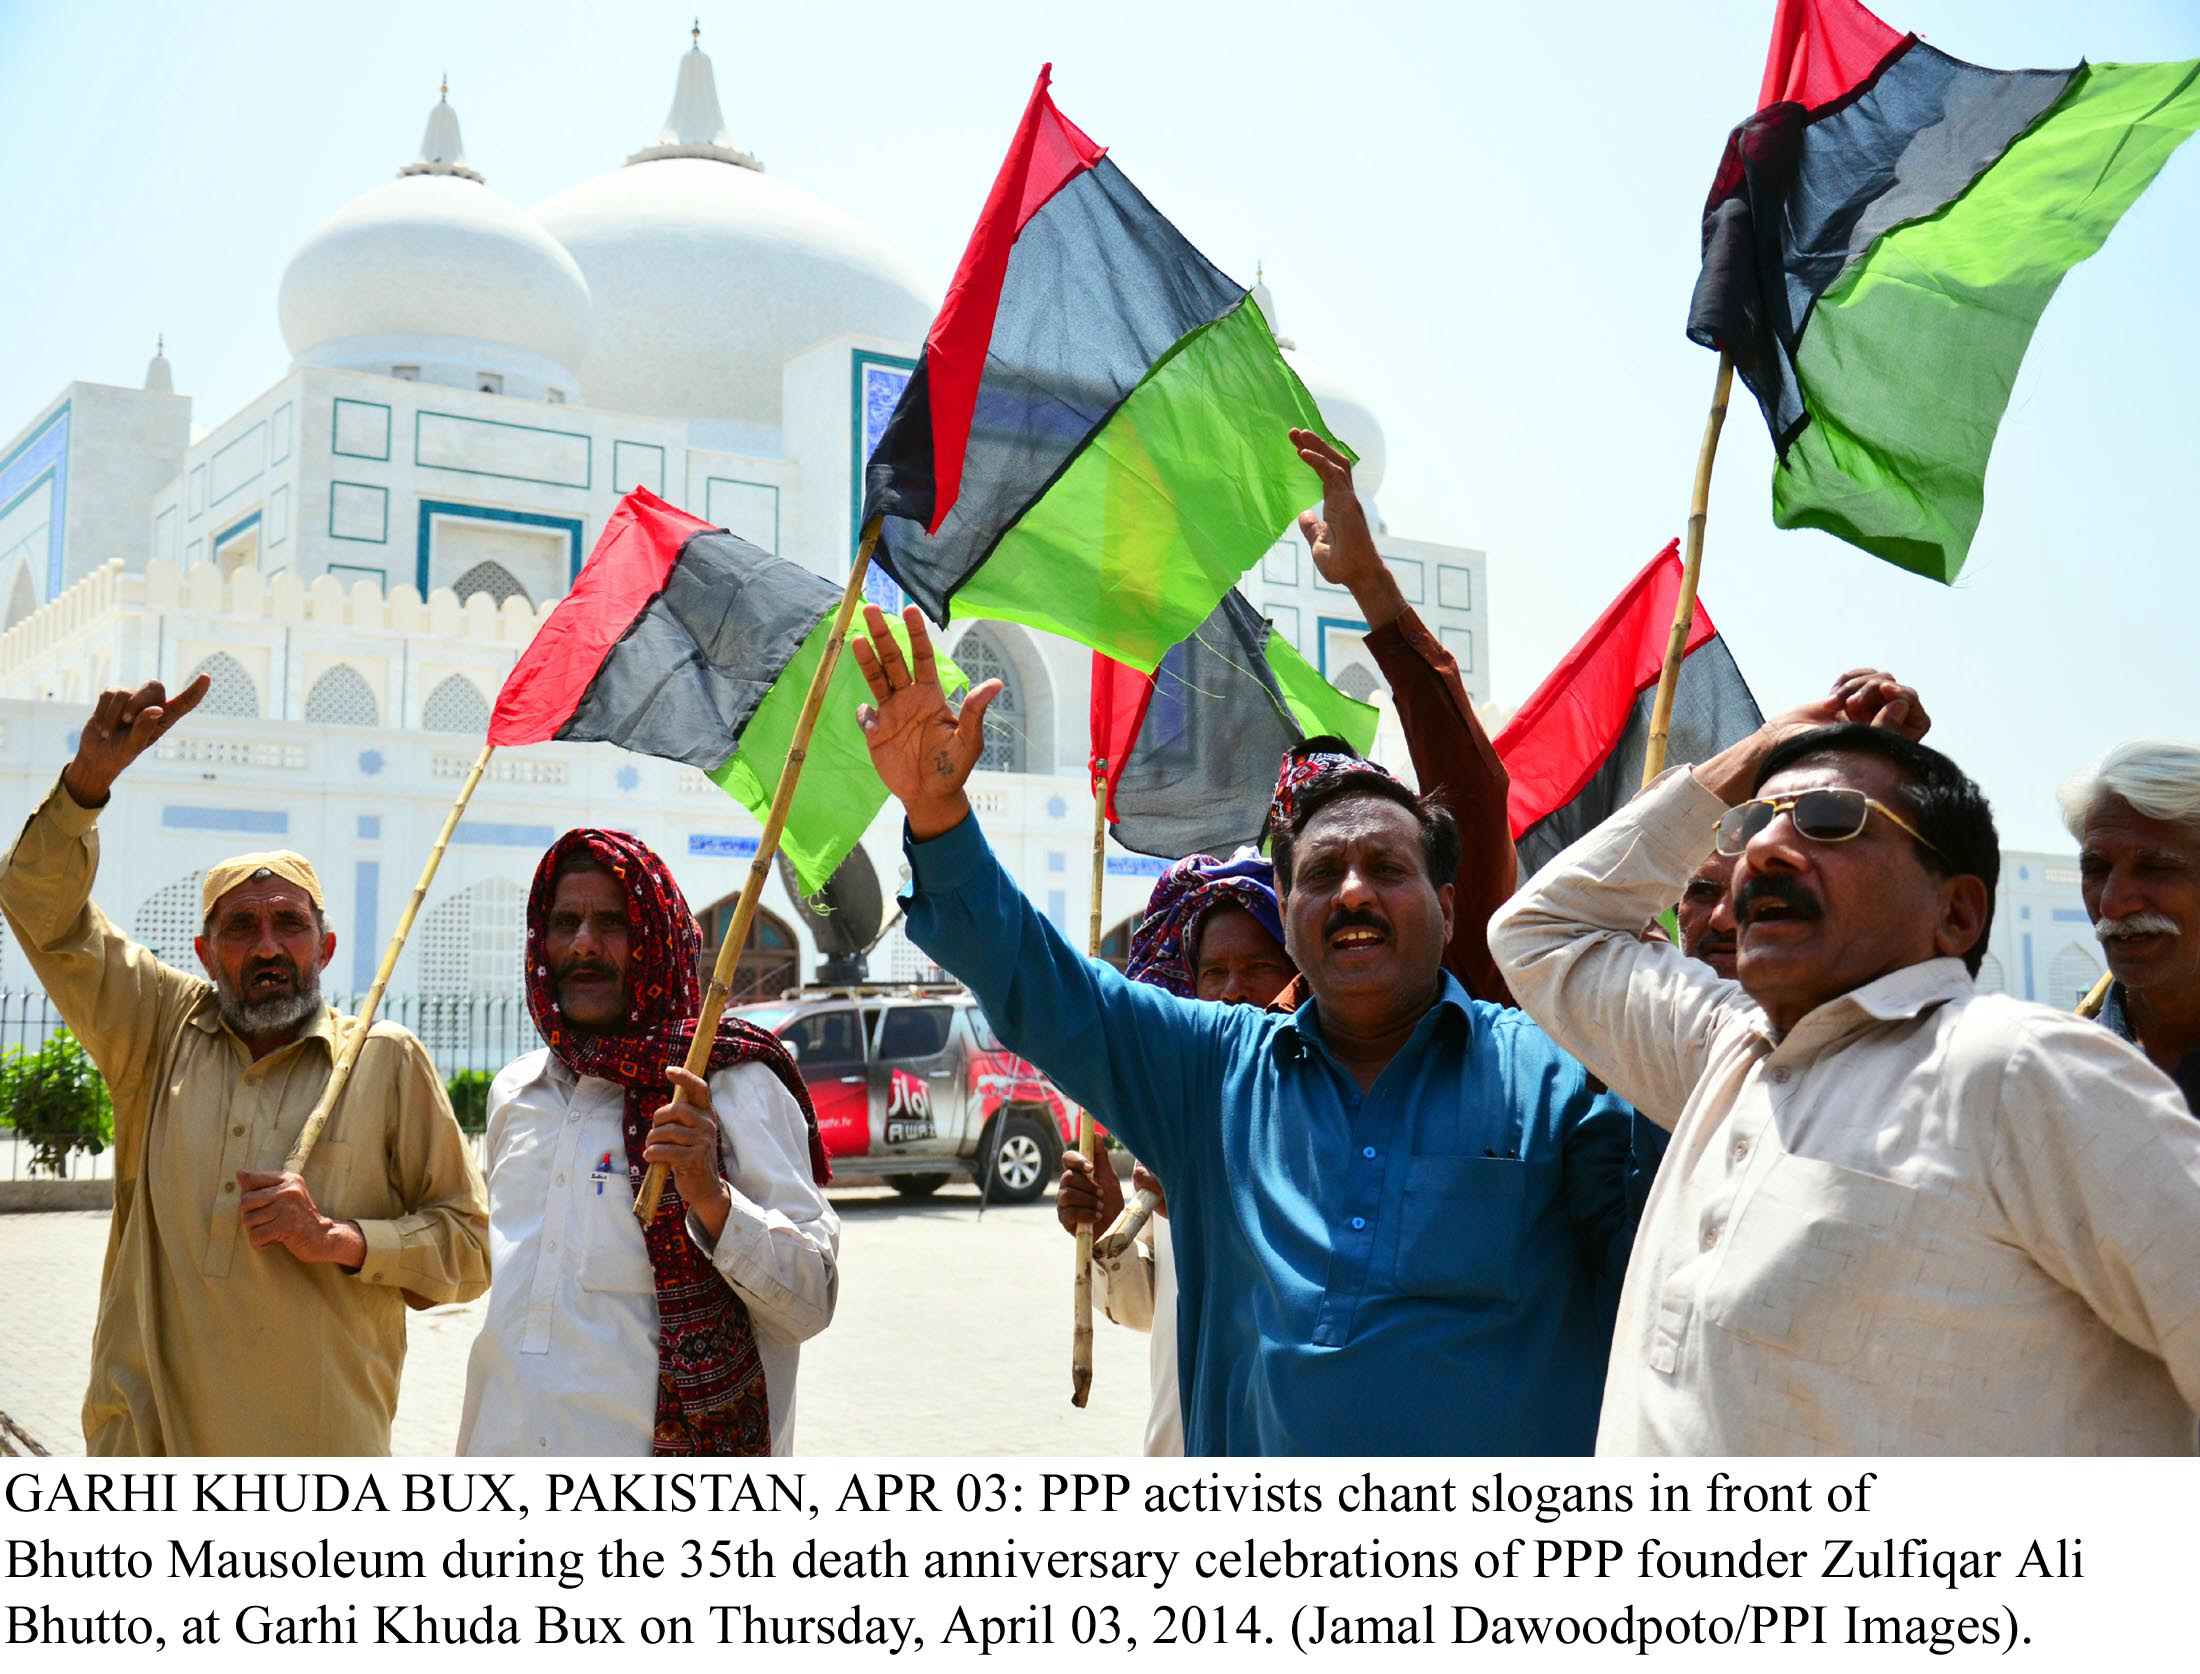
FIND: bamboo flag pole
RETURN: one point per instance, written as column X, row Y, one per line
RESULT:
column 1080, row 1341
column 1684, row 608
column 2096, row 996
column 1128, row 1225
column 347, row 1055
column 752, row 890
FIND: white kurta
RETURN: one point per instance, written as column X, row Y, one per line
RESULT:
column 1923, row 1220
column 566, row 1362
column 1138, row 1289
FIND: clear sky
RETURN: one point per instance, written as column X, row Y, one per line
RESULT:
column 1483, row 217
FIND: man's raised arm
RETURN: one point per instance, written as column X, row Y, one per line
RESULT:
column 113, row 993
column 1452, row 756
column 1130, row 1052
column 1641, row 1014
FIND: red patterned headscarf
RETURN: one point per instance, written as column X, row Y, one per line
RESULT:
column 1312, row 762
column 711, row 1396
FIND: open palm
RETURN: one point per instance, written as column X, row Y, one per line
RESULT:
column 922, row 748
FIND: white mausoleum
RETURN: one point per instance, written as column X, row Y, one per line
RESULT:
column 358, row 555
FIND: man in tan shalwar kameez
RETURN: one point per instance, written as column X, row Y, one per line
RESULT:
column 242, row 1309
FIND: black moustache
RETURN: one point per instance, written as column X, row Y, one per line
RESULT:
column 1800, row 902
column 572, row 971
column 1353, row 921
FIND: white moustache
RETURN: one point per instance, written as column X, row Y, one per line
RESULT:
column 2136, row 924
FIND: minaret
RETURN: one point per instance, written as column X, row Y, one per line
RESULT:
column 160, row 377
column 695, row 126
column 441, row 150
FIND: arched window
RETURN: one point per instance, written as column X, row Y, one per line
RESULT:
column 982, row 657
column 456, row 705
column 1990, row 979
column 233, row 693
column 22, row 598
column 472, row 1005
column 1115, row 946
column 2071, row 975
column 490, row 578
column 170, row 919
column 342, row 698
column 771, row 959
column 1356, row 683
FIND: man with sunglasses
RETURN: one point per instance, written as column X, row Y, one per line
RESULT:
column 1897, row 1216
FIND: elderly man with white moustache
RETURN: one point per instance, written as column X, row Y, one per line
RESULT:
column 2136, row 816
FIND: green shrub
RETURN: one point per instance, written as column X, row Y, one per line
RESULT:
column 55, row 1099
column 469, row 1090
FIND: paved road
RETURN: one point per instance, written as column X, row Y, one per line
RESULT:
column 952, row 1336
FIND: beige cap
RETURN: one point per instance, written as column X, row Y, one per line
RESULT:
column 286, row 864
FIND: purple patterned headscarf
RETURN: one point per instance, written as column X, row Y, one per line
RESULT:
column 1164, row 946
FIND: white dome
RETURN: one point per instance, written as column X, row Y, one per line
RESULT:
column 435, row 270
column 707, row 275
column 1350, row 419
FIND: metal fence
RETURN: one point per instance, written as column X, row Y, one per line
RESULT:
column 54, row 1121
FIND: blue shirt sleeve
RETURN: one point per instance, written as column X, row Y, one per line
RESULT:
column 1605, row 1179
column 1138, row 1058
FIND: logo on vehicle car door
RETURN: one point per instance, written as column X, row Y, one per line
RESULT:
column 908, row 1109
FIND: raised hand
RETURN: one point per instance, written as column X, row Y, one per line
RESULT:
column 124, row 725
column 1339, row 538
column 1874, row 698
column 922, row 748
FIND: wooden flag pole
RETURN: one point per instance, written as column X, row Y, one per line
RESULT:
column 1684, row 608
column 347, row 1054
column 2096, row 996
column 752, row 890
column 1080, row 1341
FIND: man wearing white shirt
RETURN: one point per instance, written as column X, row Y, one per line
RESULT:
column 1897, row 1216
column 601, row 1338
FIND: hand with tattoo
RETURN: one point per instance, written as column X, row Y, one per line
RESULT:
column 922, row 749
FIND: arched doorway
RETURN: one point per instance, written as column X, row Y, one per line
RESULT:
column 1115, row 946
column 771, row 960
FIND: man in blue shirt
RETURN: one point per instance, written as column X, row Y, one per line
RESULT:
column 1400, row 1214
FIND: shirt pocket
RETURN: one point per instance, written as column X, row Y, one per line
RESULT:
column 330, row 1178
column 1459, row 1228
column 614, row 1256
column 1814, row 1259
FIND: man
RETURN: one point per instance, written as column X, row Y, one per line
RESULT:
column 1707, row 932
column 1394, row 1209
column 602, row 1338
column 1212, row 931
column 1897, row 1216
column 242, row 1309
column 2136, row 816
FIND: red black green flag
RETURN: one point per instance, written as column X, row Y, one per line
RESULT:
column 1575, row 749
column 1884, row 234
column 1093, row 441
column 1191, row 750
column 682, row 641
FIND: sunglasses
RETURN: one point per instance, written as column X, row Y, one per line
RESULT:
column 1822, row 816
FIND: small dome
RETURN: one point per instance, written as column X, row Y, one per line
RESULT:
column 435, row 271
column 1350, row 419
column 707, row 275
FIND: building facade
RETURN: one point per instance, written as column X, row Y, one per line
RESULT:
column 358, row 554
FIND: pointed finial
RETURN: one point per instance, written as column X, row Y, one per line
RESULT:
column 160, row 343
column 1259, row 272
column 695, row 35
column 444, row 92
